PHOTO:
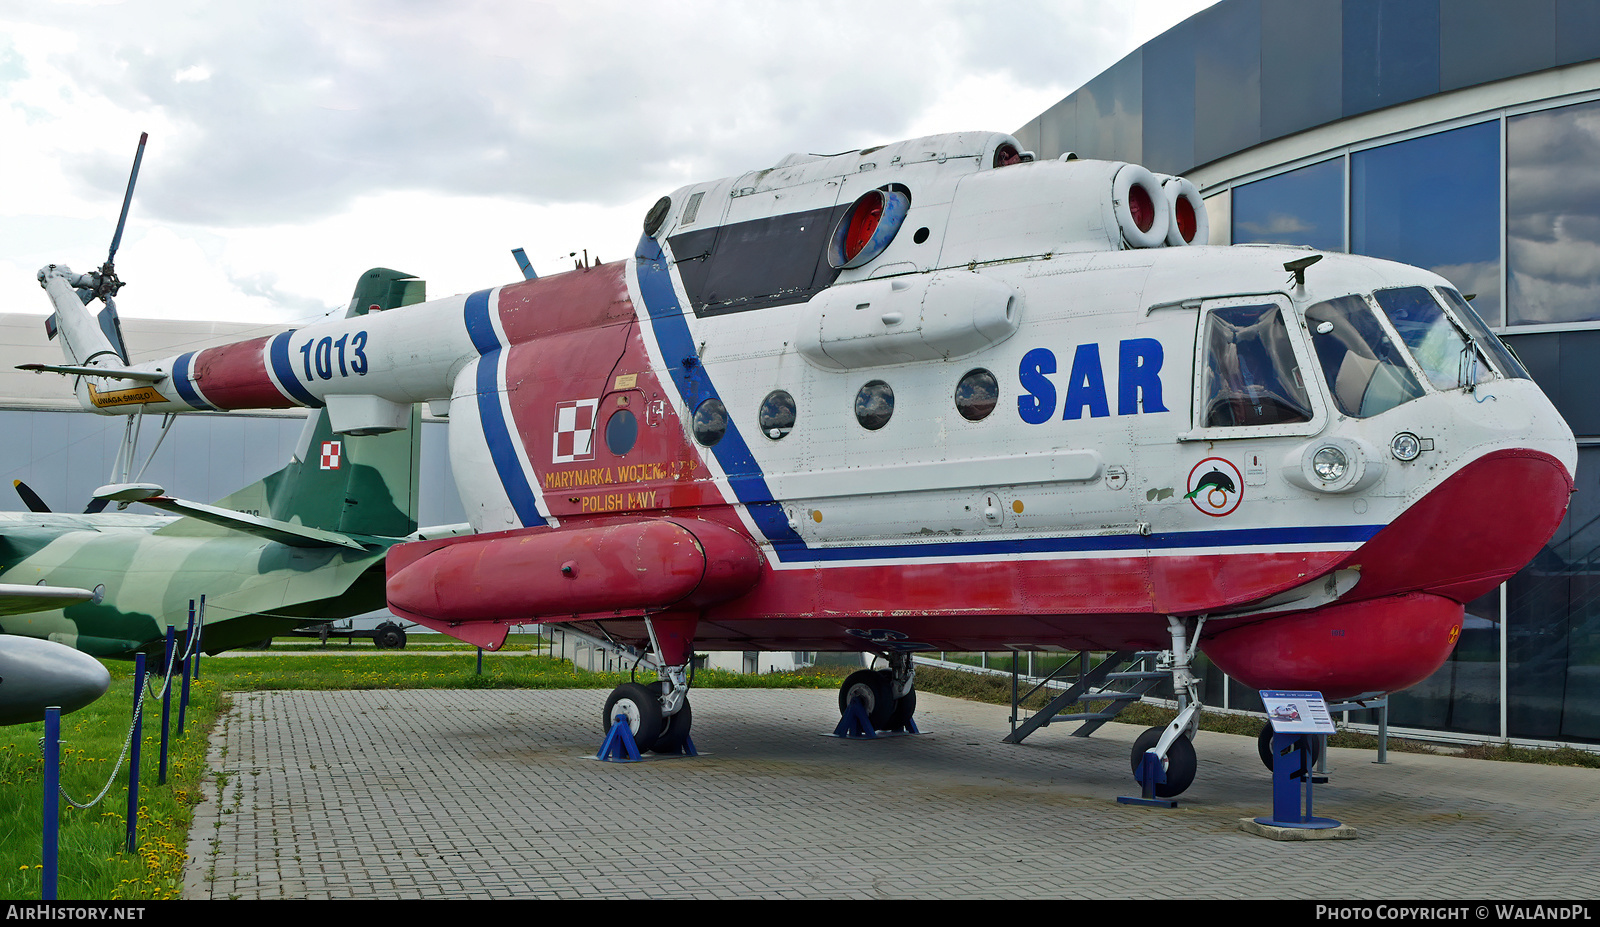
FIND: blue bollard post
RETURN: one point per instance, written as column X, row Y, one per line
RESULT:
column 52, row 802
column 166, row 708
column 133, row 767
column 183, row 703
column 200, row 629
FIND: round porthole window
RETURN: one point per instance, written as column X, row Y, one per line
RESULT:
column 874, row 405
column 622, row 430
column 710, row 422
column 977, row 394
column 777, row 414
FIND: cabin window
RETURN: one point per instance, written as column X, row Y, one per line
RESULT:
column 874, row 405
column 1441, row 349
column 1251, row 376
column 1364, row 368
column 777, row 414
column 977, row 394
column 622, row 430
column 710, row 422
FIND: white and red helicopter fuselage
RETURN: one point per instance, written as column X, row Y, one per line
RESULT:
column 1026, row 419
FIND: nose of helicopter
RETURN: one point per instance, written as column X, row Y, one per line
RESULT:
column 1400, row 622
column 1470, row 533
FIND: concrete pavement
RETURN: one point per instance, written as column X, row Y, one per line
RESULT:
column 494, row 794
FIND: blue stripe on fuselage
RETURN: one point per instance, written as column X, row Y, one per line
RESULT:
column 694, row 385
column 283, row 369
column 181, row 379
column 491, row 418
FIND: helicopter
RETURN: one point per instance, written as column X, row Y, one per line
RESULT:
column 936, row 395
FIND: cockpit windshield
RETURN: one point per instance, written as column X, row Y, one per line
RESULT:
column 1499, row 355
column 1439, row 347
column 1365, row 370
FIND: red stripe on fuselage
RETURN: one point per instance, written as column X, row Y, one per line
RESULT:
column 234, row 376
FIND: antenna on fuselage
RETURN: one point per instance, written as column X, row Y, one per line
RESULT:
column 1298, row 268
column 524, row 263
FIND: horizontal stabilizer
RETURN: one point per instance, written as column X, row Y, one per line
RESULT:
column 273, row 530
column 19, row 600
column 110, row 373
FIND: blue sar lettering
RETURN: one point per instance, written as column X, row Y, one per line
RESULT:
column 1138, row 382
column 1038, row 403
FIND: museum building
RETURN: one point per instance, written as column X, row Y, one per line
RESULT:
column 1462, row 136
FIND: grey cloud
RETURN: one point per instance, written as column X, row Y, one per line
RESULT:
column 309, row 105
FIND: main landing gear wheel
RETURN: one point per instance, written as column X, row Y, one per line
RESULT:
column 1264, row 746
column 1181, row 762
column 642, row 708
column 674, row 727
column 875, row 691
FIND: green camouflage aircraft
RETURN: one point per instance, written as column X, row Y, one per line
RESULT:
column 305, row 544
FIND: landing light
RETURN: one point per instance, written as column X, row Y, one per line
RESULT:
column 1329, row 464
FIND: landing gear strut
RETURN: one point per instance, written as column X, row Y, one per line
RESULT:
column 1173, row 744
column 658, row 714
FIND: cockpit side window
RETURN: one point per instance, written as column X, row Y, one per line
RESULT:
column 1364, row 368
column 1251, row 376
column 1439, row 347
column 1499, row 355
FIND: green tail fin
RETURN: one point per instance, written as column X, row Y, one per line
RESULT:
column 364, row 484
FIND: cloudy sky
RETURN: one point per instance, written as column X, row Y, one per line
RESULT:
column 294, row 144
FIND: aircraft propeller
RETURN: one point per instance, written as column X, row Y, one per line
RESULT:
column 35, row 504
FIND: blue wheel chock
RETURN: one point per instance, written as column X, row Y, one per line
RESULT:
column 619, row 746
column 1149, row 775
column 1291, row 770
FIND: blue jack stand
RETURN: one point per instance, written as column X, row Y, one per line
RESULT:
column 686, row 750
column 1149, row 775
column 1291, row 767
column 855, row 723
column 619, row 746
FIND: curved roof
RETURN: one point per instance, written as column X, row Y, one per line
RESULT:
column 1245, row 72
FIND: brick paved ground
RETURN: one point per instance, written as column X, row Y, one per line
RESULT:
column 493, row 794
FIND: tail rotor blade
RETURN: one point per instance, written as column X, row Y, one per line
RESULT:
column 109, row 284
column 127, row 199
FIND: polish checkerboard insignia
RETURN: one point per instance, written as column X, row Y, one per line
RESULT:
column 574, row 436
column 331, row 452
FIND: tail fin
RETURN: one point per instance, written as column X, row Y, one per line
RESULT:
column 352, row 484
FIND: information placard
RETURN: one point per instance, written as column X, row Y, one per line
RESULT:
column 1297, row 712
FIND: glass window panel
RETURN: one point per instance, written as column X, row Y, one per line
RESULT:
column 1553, row 215
column 1440, row 349
column 1464, row 693
column 1553, row 625
column 1434, row 202
column 1499, row 355
column 1251, row 377
column 1363, row 368
column 1299, row 207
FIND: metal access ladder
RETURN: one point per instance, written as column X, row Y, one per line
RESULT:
column 1119, row 680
